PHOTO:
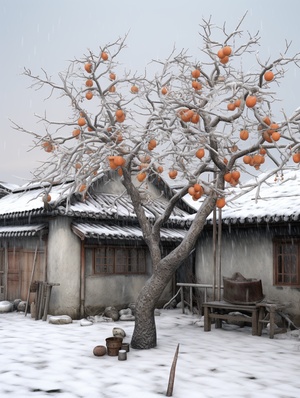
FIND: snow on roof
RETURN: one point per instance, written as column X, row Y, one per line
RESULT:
column 103, row 205
column 21, row 230
column 274, row 200
column 97, row 205
column 25, row 201
column 277, row 199
column 93, row 230
column 8, row 186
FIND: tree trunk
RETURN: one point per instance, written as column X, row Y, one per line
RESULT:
column 144, row 335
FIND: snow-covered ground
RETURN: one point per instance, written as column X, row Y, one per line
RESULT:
column 38, row 359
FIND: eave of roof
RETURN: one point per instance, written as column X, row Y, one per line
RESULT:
column 100, row 231
column 23, row 230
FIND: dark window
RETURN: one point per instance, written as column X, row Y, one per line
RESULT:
column 119, row 260
column 287, row 262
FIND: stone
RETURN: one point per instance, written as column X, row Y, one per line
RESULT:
column 60, row 319
column 132, row 307
column 127, row 318
column 5, row 306
column 111, row 312
column 16, row 303
column 85, row 322
column 125, row 311
column 118, row 332
column 21, row 306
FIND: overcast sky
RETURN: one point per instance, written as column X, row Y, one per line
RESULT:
column 47, row 33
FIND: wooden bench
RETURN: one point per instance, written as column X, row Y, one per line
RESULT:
column 220, row 310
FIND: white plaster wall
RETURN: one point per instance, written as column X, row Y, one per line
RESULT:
column 64, row 268
column 114, row 290
column 249, row 252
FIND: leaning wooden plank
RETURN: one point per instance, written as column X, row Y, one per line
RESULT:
column 48, row 296
column 31, row 278
column 288, row 320
column 172, row 374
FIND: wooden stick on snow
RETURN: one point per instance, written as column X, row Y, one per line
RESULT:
column 172, row 374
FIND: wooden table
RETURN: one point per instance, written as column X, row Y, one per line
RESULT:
column 220, row 310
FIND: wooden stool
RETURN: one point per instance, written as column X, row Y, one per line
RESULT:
column 266, row 315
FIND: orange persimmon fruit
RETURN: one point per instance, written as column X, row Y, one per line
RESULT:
column 220, row 203
column 251, row 101
column 104, row 56
column 196, row 73
column 173, row 174
column 268, row 76
column 81, row 121
column 88, row 67
column 200, row 153
column 244, row 134
column 89, row 95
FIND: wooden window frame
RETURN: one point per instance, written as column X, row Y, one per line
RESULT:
column 119, row 260
column 282, row 260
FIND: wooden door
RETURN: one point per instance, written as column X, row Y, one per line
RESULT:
column 20, row 266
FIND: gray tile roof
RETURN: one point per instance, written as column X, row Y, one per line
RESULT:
column 29, row 202
column 22, row 230
column 100, row 231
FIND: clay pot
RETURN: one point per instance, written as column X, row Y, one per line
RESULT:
column 99, row 350
column 113, row 345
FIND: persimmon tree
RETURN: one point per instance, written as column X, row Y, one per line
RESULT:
column 203, row 122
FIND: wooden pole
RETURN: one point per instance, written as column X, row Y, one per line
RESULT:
column 37, row 299
column 41, row 300
column 5, row 271
column 182, row 299
column 219, row 254
column 214, row 254
column 31, row 278
column 172, row 374
column 82, row 281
